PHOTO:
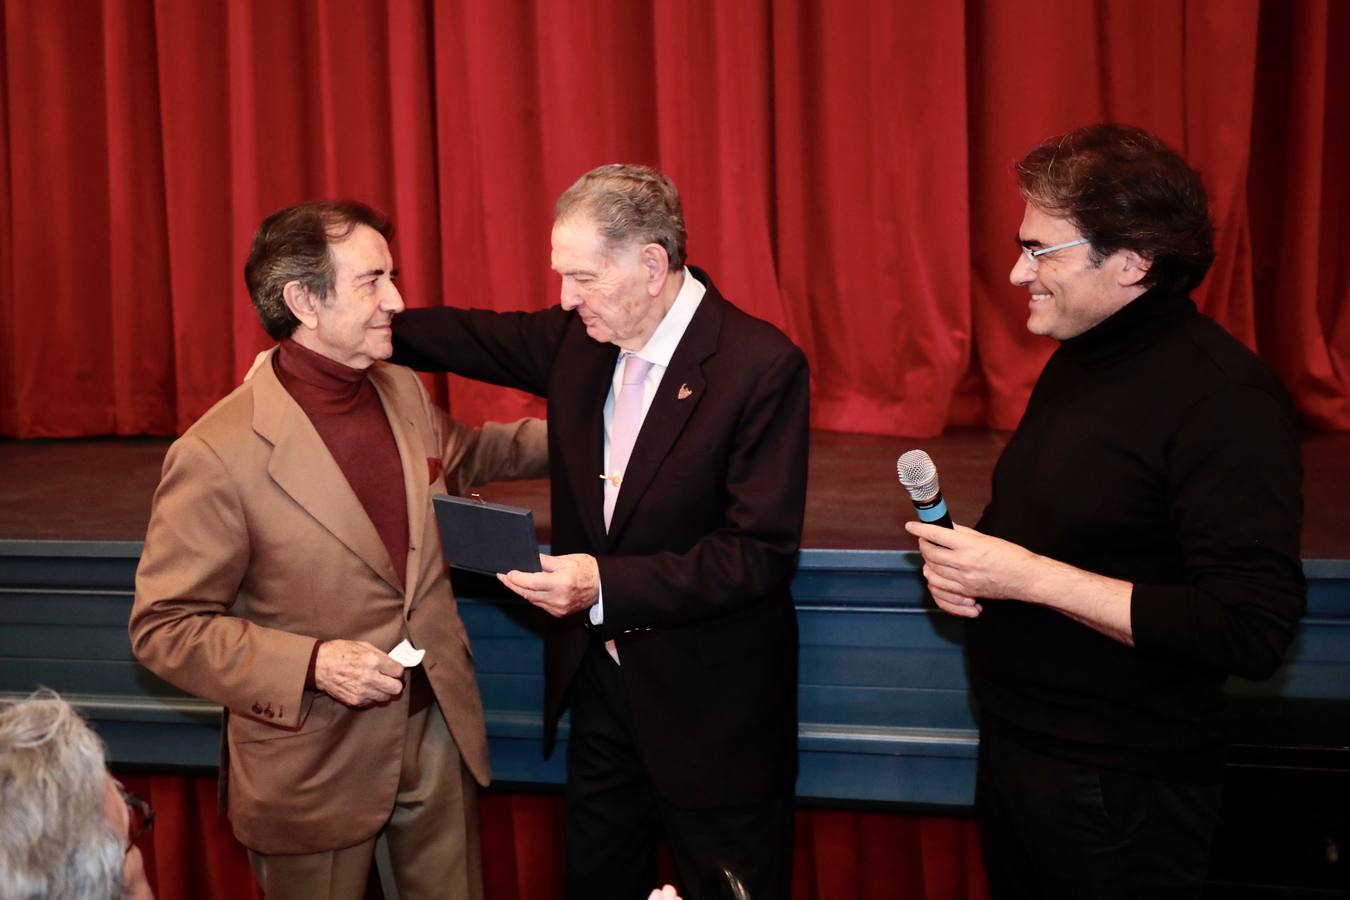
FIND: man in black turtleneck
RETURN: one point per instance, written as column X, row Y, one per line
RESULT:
column 1141, row 544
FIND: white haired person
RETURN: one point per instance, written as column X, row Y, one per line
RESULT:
column 66, row 827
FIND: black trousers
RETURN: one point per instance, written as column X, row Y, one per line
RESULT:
column 1051, row 828
column 614, row 816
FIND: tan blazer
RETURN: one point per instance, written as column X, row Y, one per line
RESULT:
column 257, row 546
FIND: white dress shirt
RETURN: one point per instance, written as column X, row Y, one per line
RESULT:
column 658, row 350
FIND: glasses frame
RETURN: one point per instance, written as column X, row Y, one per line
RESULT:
column 142, row 816
column 1033, row 256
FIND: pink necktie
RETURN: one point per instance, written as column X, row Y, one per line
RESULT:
column 623, row 430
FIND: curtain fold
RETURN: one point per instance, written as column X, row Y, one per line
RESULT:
column 1302, row 269
column 846, row 170
column 191, row 854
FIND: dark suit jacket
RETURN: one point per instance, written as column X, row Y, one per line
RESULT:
column 696, row 565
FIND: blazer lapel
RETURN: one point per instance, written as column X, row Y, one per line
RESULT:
column 583, row 445
column 677, row 396
column 302, row 467
column 413, row 456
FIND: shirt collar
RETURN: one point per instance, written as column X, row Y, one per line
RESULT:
column 660, row 347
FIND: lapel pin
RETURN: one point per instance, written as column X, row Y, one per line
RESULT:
column 684, row 393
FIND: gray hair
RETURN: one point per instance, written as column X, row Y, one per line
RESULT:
column 628, row 204
column 55, row 842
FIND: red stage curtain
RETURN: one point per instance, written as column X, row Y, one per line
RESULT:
column 845, row 166
column 191, row 853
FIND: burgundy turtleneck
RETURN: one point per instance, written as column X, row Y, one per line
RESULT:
column 346, row 411
column 342, row 404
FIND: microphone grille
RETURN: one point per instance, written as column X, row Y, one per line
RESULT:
column 918, row 475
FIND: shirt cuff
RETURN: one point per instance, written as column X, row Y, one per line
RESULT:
column 597, row 612
column 313, row 663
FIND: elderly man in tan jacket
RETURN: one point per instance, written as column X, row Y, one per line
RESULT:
column 292, row 544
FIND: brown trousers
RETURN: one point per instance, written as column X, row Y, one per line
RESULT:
column 432, row 834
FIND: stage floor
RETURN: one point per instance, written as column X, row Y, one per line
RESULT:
column 100, row 489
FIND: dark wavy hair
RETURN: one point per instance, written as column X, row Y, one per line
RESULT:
column 292, row 245
column 1126, row 190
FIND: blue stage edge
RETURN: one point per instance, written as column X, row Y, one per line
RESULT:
column 886, row 716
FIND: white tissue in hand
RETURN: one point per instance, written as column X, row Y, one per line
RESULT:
column 405, row 655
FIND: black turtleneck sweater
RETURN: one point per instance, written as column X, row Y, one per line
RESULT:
column 1158, row 450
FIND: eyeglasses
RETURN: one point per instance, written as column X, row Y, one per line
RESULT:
column 1033, row 256
column 142, row 816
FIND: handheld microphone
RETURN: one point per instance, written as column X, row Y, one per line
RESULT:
column 919, row 478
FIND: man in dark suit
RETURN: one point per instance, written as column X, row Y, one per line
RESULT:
column 674, row 637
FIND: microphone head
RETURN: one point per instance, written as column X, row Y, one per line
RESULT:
column 918, row 475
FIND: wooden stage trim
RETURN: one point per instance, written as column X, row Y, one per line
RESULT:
column 99, row 489
column 886, row 720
